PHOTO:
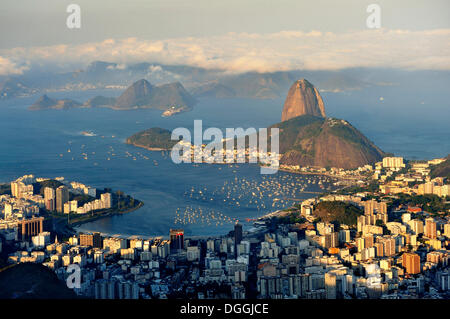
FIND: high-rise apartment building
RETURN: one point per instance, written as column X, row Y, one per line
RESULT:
column 62, row 197
column 393, row 162
column 50, row 198
column 416, row 226
column 430, row 228
column 411, row 263
column 176, row 239
column 93, row 240
column 19, row 189
column 106, row 200
column 27, row 228
column 330, row 285
column 237, row 234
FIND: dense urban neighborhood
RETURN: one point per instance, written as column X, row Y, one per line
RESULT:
column 385, row 236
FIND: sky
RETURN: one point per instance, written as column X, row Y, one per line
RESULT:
column 237, row 35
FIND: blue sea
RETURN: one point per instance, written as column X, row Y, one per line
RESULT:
column 202, row 199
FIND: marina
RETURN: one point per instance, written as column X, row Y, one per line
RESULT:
column 216, row 204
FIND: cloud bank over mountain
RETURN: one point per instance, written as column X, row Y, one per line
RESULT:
column 9, row 67
column 244, row 52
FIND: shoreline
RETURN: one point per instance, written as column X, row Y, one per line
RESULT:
column 109, row 214
column 70, row 226
column 319, row 173
column 166, row 236
column 153, row 149
column 63, row 227
column 156, row 149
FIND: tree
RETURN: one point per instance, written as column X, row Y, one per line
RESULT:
column 379, row 222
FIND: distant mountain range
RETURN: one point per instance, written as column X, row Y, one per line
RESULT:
column 200, row 82
column 45, row 102
column 12, row 88
column 247, row 85
column 143, row 95
column 170, row 97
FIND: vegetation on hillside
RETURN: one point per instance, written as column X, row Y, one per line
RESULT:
column 316, row 141
column 337, row 212
column 81, row 198
column 155, row 137
column 5, row 189
column 372, row 187
column 142, row 94
column 40, row 186
column 442, row 170
column 428, row 202
column 292, row 218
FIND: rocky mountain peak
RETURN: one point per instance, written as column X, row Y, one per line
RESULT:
column 134, row 94
column 302, row 99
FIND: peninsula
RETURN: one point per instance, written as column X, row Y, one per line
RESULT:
column 62, row 204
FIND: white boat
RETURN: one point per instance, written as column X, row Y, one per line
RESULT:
column 88, row 133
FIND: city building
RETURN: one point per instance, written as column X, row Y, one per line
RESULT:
column 50, row 198
column 176, row 239
column 62, row 197
column 393, row 162
column 411, row 263
column 430, row 228
column 29, row 227
column 92, row 240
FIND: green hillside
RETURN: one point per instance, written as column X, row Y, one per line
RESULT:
column 337, row 211
column 153, row 138
column 315, row 141
column 442, row 170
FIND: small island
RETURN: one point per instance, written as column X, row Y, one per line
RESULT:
column 153, row 139
column 46, row 102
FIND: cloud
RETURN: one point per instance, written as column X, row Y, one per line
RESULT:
column 280, row 51
column 120, row 66
column 8, row 67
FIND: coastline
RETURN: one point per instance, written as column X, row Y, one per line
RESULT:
column 282, row 212
column 108, row 214
column 352, row 178
column 279, row 213
column 64, row 227
column 68, row 226
column 320, row 173
column 156, row 149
